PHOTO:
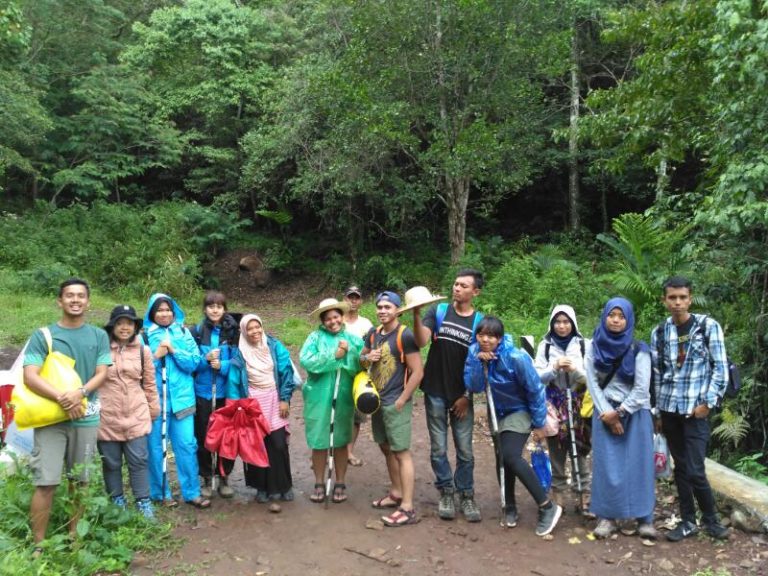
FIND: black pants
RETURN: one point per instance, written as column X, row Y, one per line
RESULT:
column 202, row 415
column 277, row 478
column 688, row 439
column 515, row 466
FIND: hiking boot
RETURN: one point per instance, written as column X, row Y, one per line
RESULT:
column 647, row 531
column 205, row 490
column 119, row 501
column 605, row 528
column 225, row 490
column 446, row 508
column 684, row 529
column 469, row 508
column 716, row 530
column 145, row 507
column 510, row 517
column 549, row 515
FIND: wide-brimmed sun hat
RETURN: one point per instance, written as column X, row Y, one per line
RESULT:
column 123, row 311
column 419, row 296
column 329, row 304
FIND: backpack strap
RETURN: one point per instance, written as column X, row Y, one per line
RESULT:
column 48, row 338
column 141, row 356
column 478, row 317
column 582, row 347
column 615, row 368
column 440, row 312
column 547, row 346
column 399, row 340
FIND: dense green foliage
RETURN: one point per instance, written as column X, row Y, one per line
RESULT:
column 107, row 537
column 390, row 141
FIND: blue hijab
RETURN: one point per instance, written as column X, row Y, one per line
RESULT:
column 608, row 346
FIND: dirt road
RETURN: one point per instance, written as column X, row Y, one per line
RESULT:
column 241, row 538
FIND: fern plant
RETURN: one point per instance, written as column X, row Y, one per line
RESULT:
column 646, row 255
column 733, row 427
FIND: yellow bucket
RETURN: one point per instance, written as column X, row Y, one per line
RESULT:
column 366, row 396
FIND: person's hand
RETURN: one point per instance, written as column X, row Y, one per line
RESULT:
column 538, row 434
column 161, row 351
column 565, row 364
column 342, row 349
column 617, row 428
column 401, row 402
column 657, row 425
column 76, row 412
column 70, row 399
column 374, row 355
column 610, row 418
column 285, row 409
column 701, row 411
column 486, row 356
column 460, row 407
column 167, row 345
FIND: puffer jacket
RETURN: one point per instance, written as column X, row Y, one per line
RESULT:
column 515, row 385
column 180, row 389
column 127, row 410
column 237, row 383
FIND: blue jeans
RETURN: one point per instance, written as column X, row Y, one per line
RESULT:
column 438, row 417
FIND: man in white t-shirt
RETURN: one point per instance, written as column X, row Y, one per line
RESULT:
column 359, row 326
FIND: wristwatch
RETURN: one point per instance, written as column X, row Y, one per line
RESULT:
column 84, row 391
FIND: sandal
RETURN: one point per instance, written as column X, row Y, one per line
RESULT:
column 319, row 494
column 400, row 517
column 167, row 503
column 388, row 501
column 200, row 503
column 339, row 493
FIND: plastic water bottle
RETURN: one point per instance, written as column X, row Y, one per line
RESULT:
column 542, row 466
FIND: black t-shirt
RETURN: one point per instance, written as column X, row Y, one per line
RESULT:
column 444, row 371
column 683, row 330
column 388, row 374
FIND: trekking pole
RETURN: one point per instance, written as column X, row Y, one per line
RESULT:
column 574, row 449
column 330, row 444
column 494, row 424
column 214, row 454
column 164, row 426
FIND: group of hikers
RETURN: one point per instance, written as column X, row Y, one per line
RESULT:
column 155, row 379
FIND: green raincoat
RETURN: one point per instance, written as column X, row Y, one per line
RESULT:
column 317, row 358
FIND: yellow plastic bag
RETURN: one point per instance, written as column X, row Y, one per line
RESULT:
column 587, row 406
column 34, row 411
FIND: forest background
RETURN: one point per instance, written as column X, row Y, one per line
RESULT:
column 572, row 149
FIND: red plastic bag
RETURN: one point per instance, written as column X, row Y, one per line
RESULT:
column 238, row 429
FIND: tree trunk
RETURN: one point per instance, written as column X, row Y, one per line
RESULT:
column 457, row 196
column 662, row 179
column 573, row 142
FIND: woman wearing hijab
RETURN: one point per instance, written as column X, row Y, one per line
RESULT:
column 175, row 355
column 618, row 378
column 261, row 369
column 560, row 365
column 330, row 355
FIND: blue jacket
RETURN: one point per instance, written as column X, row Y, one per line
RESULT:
column 209, row 337
column 180, row 365
column 237, row 381
column 515, row 384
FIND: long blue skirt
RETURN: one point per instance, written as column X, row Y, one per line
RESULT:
column 623, row 475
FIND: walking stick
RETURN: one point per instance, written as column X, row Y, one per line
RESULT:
column 164, row 426
column 574, row 450
column 214, row 454
column 330, row 444
column 496, row 443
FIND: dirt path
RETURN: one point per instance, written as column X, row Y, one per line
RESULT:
column 241, row 538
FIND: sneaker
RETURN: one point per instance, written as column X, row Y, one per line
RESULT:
column 510, row 517
column 469, row 508
column 287, row 496
column 684, row 529
column 716, row 530
column 647, row 531
column 145, row 507
column 205, row 490
column 605, row 528
column 262, row 497
column 119, row 501
column 549, row 515
column 225, row 490
column 446, row 508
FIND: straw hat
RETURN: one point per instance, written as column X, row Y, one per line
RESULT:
column 419, row 296
column 329, row 304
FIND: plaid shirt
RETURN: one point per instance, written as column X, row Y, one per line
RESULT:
column 703, row 376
